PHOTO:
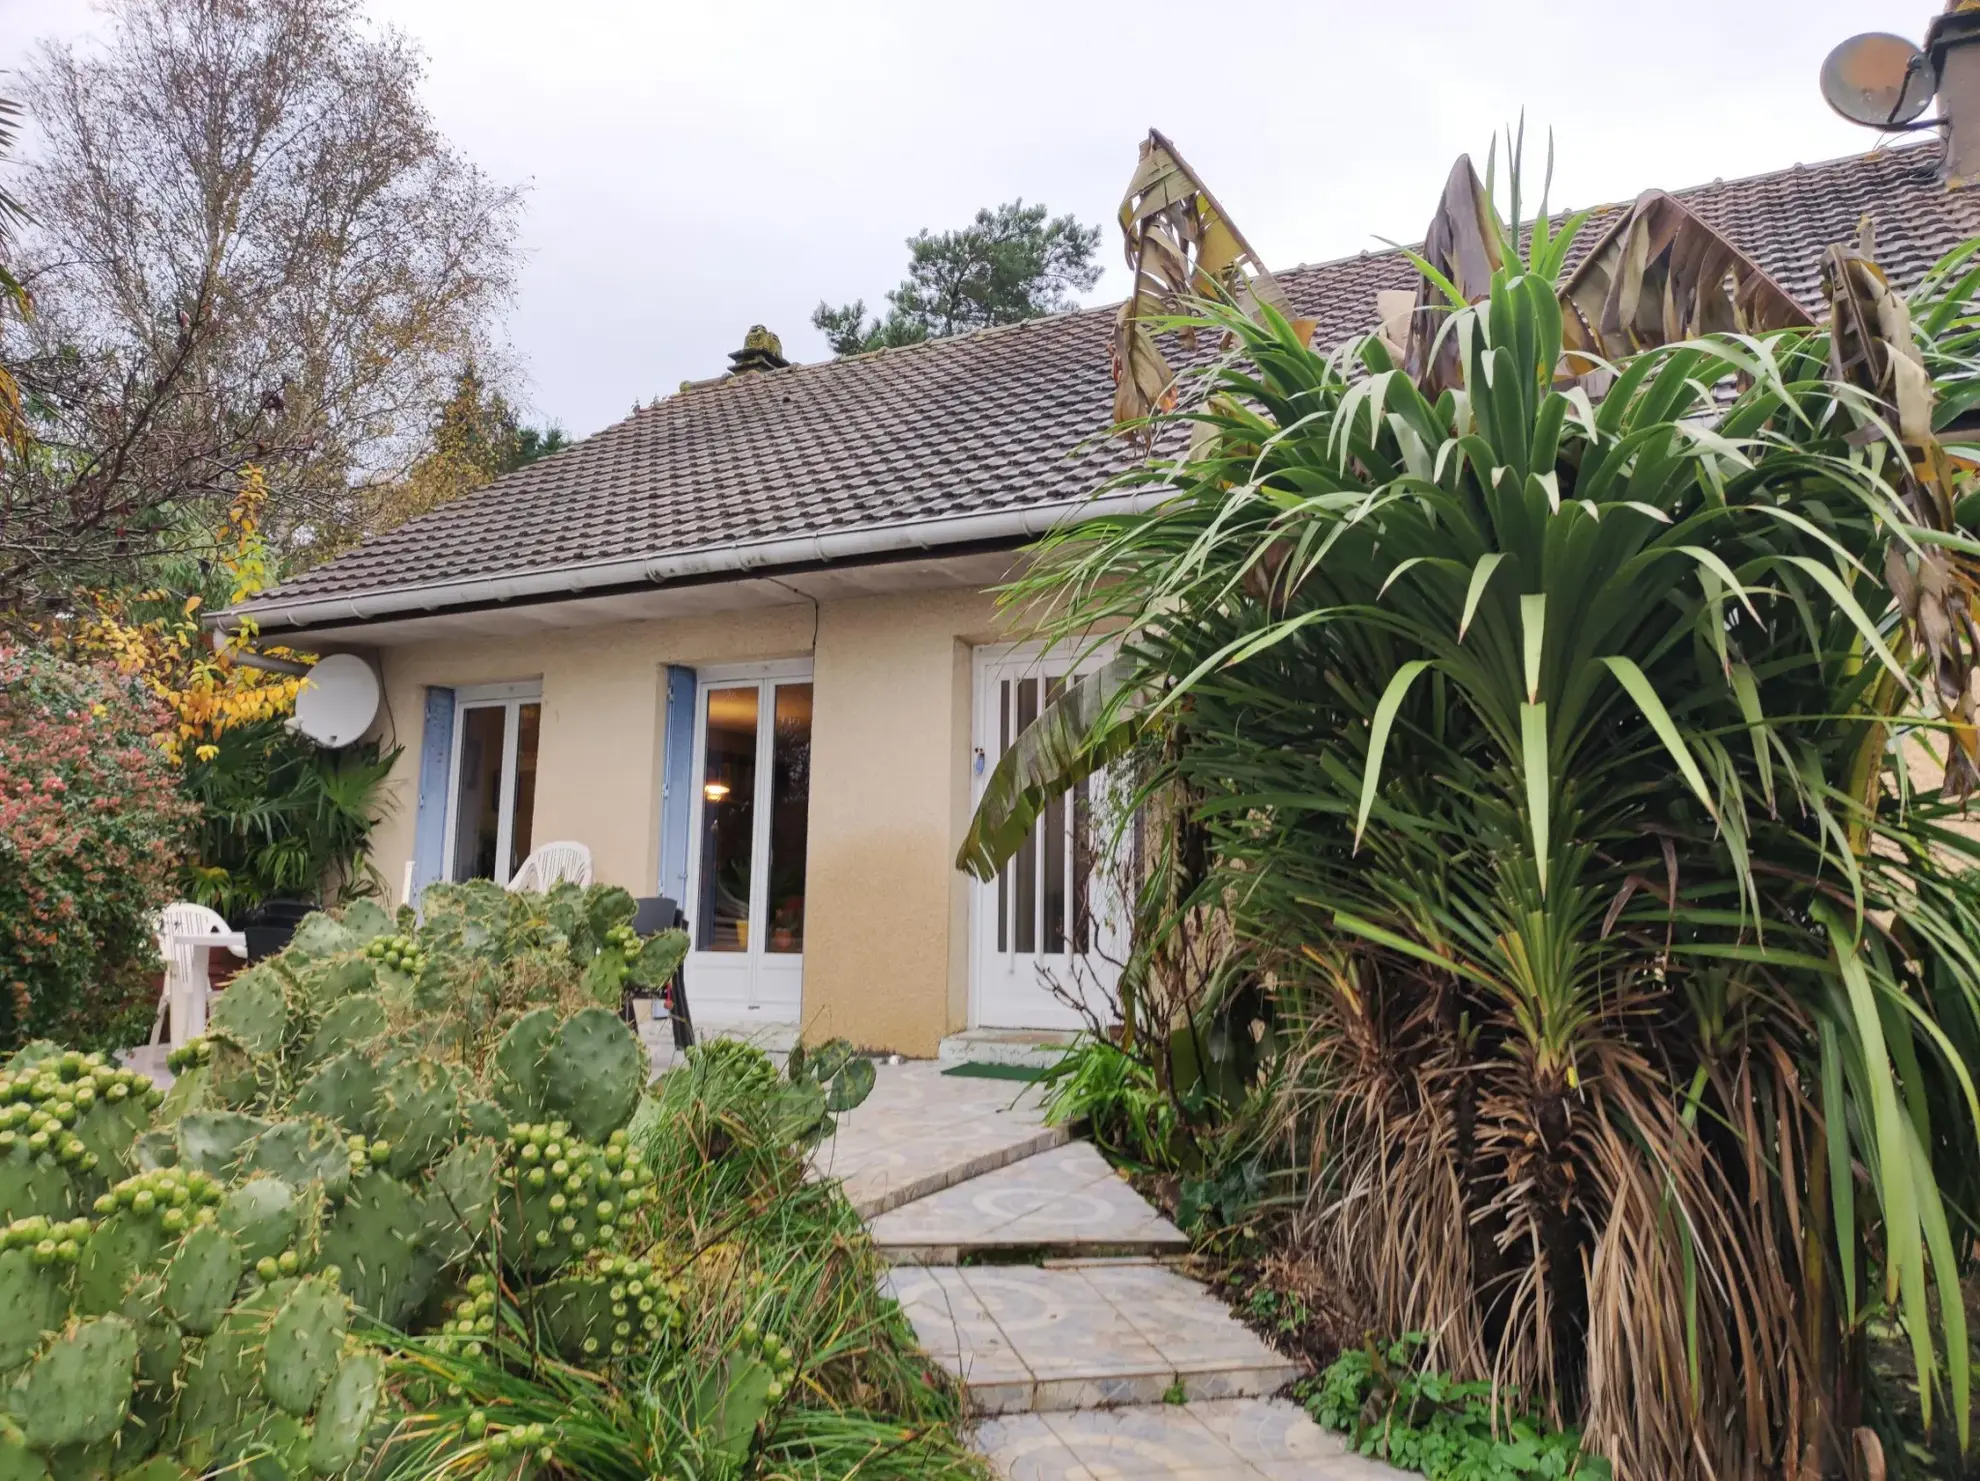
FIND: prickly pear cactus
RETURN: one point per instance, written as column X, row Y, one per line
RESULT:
column 845, row 1077
column 562, row 1197
column 734, row 1397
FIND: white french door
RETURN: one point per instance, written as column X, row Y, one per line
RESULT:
column 746, row 860
column 491, row 780
column 1053, row 919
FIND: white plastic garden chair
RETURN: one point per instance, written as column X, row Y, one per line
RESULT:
column 187, row 986
column 552, row 864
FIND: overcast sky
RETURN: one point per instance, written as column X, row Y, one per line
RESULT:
column 695, row 168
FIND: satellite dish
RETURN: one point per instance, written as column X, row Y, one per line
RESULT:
column 338, row 701
column 1878, row 80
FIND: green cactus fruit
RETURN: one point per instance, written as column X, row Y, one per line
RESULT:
column 730, row 1401
column 376, row 1239
column 201, row 1278
column 344, row 1090
column 300, row 1152
column 419, row 1115
column 319, row 936
column 302, row 1348
column 606, row 906
column 34, row 1052
column 119, row 1252
column 263, row 1215
column 460, row 1200
column 519, row 1064
column 34, row 1301
column 212, row 1141
column 660, row 956
column 593, row 1072
column 31, row 1185
column 851, row 1085
column 344, row 1414
column 366, row 919
column 348, row 1023
column 79, row 1389
column 18, row 1462
column 253, row 1013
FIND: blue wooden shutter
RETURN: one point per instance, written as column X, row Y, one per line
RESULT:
column 677, row 784
column 436, row 754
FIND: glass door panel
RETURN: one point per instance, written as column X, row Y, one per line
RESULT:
column 789, row 786
column 529, row 723
column 728, row 819
column 478, row 794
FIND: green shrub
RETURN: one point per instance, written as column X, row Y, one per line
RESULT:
column 1429, row 1422
column 90, row 828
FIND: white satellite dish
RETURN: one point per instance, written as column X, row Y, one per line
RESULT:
column 338, row 701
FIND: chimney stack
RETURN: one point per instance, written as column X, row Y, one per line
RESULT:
column 1953, row 47
column 761, row 350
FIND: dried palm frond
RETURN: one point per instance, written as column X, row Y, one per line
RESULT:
column 1464, row 245
column 1180, row 245
column 1662, row 274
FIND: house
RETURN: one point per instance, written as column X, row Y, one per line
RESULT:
column 744, row 643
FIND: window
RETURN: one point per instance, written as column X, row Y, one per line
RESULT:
column 493, row 792
column 752, row 838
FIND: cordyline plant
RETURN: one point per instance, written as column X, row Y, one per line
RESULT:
column 1560, row 713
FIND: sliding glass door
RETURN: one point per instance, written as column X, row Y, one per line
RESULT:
column 753, row 770
column 492, row 791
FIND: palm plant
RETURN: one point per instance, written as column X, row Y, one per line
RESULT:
column 1558, row 726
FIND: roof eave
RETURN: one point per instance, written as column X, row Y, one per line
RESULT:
column 749, row 558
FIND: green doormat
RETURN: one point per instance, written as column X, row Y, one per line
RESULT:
column 974, row 1070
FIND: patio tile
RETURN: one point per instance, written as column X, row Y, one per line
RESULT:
column 921, row 1131
column 1067, row 1199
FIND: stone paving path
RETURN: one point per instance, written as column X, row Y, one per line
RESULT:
column 1087, row 1367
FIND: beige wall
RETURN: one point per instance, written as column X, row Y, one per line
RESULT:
column 886, row 950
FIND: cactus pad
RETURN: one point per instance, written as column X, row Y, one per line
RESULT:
column 376, row 1239
column 211, row 1140
column 303, row 1344
column 321, row 935
column 365, row 919
column 460, row 1200
column 343, row 1415
column 419, row 1113
column 201, row 1278
column 344, row 1090
column 660, row 956
column 610, row 1307
column 263, row 1215
column 347, row 1023
column 31, row 1185
column 519, row 1061
column 34, row 1295
column 300, row 1152
column 593, row 1072
column 79, row 1389
column 253, row 1012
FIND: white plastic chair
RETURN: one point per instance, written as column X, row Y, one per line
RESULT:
column 553, row 863
column 186, row 983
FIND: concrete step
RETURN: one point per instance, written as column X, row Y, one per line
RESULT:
column 1031, row 1340
column 1063, row 1202
column 1218, row 1440
column 1035, row 1048
column 921, row 1131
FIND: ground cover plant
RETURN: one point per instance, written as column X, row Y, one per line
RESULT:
column 406, row 1166
column 1553, row 702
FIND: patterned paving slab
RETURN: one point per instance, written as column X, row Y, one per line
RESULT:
column 1066, row 1201
column 1026, row 1339
column 1218, row 1440
column 922, row 1131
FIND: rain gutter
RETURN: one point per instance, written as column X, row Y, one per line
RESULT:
column 870, row 542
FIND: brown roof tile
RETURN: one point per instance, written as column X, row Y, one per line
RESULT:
column 1002, row 418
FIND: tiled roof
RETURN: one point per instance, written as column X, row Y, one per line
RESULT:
column 1001, row 419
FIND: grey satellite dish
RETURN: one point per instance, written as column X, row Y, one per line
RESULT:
column 338, row 701
column 1878, row 80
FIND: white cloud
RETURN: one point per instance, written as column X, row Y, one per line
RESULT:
column 697, row 168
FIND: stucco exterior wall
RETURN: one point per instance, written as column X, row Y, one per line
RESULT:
column 886, row 950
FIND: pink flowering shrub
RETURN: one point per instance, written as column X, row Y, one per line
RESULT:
column 91, row 824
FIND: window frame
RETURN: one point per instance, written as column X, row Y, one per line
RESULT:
column 510, row 698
